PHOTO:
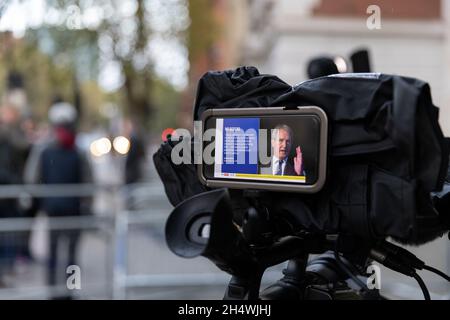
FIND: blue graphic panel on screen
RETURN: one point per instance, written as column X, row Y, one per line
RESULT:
column 240, row 145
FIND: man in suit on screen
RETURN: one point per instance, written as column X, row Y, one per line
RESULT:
column 281, row 164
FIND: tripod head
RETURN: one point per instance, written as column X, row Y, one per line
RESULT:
column 203, row 225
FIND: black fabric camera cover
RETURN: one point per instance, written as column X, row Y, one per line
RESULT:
column 386, row 152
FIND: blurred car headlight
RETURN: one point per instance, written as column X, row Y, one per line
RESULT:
column 100, row 147
column 121, row 144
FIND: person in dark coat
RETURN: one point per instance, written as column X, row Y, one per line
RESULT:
column 59, row 161
column 14, row 148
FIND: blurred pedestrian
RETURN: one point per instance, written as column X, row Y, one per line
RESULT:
column 58, row 160
column 134, row 164
column 14, row 149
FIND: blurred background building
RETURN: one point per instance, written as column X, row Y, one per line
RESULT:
column 282, row 36
column 414, row 40
column 131, row 68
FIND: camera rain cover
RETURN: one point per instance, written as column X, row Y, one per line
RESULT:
column 386, row 151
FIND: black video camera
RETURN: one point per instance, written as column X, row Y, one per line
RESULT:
column 343, row 168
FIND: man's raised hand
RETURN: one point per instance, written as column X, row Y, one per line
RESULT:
column 298, row 161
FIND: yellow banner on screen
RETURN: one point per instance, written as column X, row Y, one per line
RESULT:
column 270, row 176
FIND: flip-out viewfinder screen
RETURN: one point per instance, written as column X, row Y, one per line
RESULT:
column 267, row 150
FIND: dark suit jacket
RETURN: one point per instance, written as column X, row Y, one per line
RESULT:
column 288, row 170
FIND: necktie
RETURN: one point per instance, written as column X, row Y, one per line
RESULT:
column 278, row 171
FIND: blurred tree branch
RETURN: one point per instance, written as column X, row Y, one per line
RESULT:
column 126, row 27
column 129, row 35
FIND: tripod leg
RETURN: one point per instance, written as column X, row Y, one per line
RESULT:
column 243, row 288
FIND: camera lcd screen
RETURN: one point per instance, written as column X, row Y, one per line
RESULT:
column 277, row 150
